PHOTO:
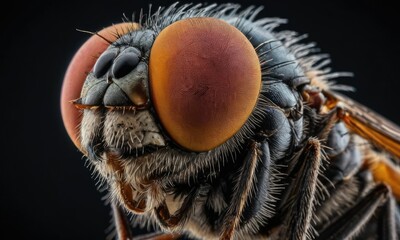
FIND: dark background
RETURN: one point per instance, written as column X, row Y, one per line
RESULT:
column 46, row 191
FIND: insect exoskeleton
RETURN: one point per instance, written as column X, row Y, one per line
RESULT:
column 202, row 121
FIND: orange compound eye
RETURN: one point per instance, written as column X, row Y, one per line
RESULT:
column 82, row 63
column 205, row 78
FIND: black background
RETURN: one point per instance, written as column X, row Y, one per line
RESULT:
column 46, row 191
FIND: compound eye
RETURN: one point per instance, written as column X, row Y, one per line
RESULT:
column 205, row 78
column 82, row 63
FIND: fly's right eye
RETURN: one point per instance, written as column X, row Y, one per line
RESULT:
column 205, row 79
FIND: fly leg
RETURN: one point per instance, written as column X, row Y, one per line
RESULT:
column 158, row 236
column 169, row 220
column 121, row 225
column 300, row 200
column 243, row 188
column 389, row 226
column 126, row 191
column 252, row 182
column 123, row 230
column 377, row 201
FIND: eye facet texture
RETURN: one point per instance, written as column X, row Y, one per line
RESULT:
column 205, row 78
column 82, row 63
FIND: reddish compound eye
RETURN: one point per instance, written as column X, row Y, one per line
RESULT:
column 82, row 63
column 205, row 78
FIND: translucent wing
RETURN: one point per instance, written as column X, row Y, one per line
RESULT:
column 367, row 123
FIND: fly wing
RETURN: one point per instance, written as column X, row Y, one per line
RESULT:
column 367, row 123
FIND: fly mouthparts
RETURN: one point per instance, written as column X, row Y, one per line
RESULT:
column 79, row 105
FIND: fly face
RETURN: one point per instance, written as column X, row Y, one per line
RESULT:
column 115, row 101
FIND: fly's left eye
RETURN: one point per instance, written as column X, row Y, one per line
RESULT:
column 82, row 63
column 205, row 78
